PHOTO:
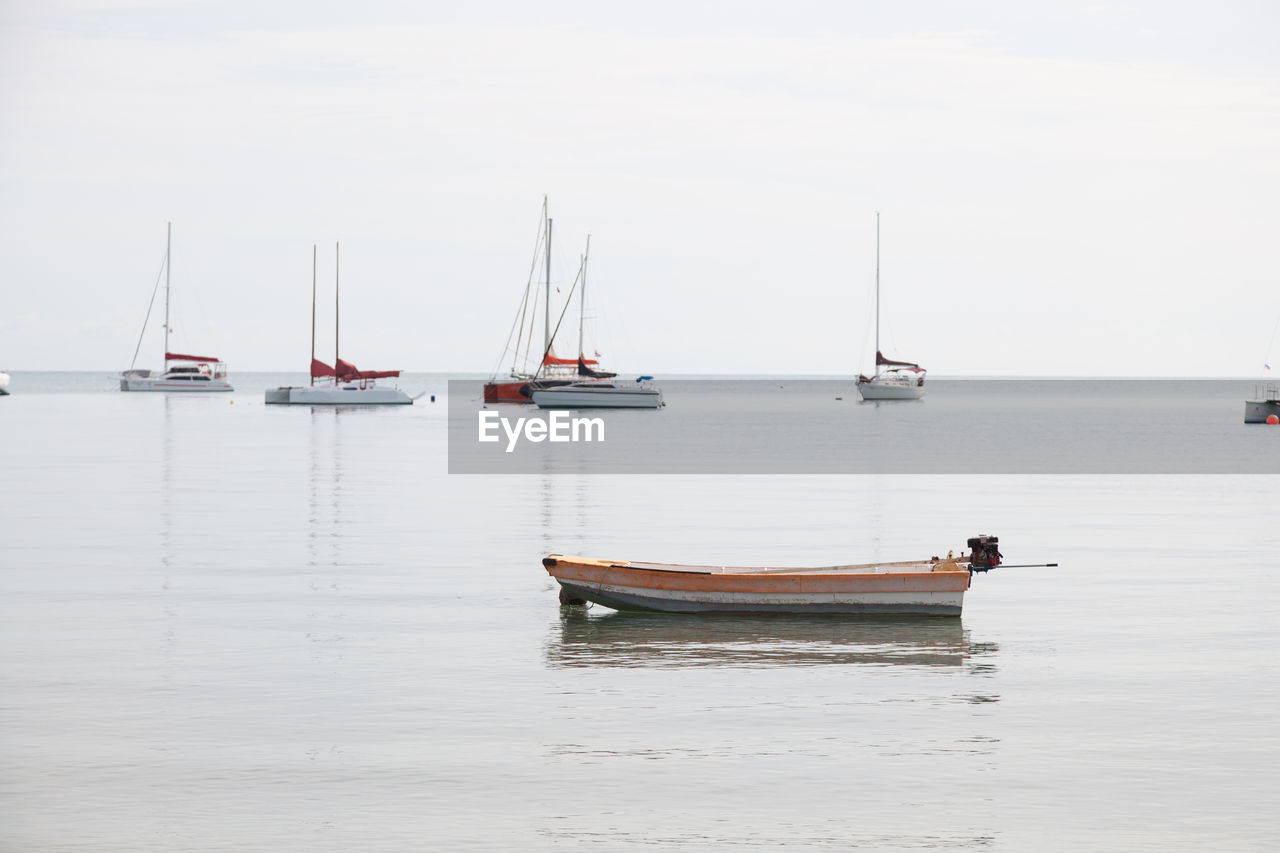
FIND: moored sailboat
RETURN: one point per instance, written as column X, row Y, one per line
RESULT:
column 182, row 372
column 552, row 370
column 1265, row 408
column 1267, row 404
column 595, row 389
column 892, row 380
column 343, row 384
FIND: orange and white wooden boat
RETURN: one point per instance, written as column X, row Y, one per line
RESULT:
column 933, row 586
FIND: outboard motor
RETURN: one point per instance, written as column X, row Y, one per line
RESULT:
column 984, row 553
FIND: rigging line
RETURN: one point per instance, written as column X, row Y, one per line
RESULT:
column 539, row 247
column 529, row 286
column 567, row 300
column 1267, row 359
column 518, row 321
column 529, row 290
column 862, row 348
column 150, row 305
column 506, row 348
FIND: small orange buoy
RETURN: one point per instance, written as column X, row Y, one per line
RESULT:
column 1273, row 420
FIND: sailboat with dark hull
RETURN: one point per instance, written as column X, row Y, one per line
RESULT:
column 892, row 380
column 552, row 371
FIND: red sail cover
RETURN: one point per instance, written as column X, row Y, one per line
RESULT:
column 177, row 356
column 319, row 368
column 347, row 371
column 555, row 361
column 881, row 361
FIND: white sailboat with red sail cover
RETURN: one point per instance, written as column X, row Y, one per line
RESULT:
column 182, row 372
column 344, row 384
column 892, row 380
column 551, row 371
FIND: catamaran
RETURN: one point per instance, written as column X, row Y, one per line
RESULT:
column 182, row 372
column 892, row 380
column 343, row 384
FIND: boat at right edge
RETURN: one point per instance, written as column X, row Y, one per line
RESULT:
column 892, row 380
column 1266, row 406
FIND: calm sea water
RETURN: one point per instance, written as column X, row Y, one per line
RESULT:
column 229, row 626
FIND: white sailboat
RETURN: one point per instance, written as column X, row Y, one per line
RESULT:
column 344, row 384
column 182, row 372
column 892, row 380
column 595, row 389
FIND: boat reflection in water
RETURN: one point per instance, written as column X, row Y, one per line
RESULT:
column 662, row 640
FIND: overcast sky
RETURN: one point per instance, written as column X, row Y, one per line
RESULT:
column 1065, row 188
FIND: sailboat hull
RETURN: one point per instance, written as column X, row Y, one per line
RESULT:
column 519, row 392
column 506, row 392
column 603, row 396
column 1256, row 411
column 878, row 391
column 187, row 383
column 350, row 394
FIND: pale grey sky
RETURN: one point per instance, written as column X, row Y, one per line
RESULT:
column 1066, row 188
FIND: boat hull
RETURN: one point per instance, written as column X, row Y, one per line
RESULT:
column 342, row 396
column 889, row 589
column 593, row 398
column 1256, row 411
column 507, row 392
column 518, row 392
column 877, row 391
column 132, row 383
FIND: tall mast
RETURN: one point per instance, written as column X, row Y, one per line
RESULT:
column 335, row 313
column 877, row 291
column 313, row 313
column 168, row 262
column 546, row 320
column 582, row 297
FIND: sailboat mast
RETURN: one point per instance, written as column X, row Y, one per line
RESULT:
column 168, row 263
column 335, row 313
column 546, row 320
column 310, row 368
column 582, row 298
column 877, row 291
